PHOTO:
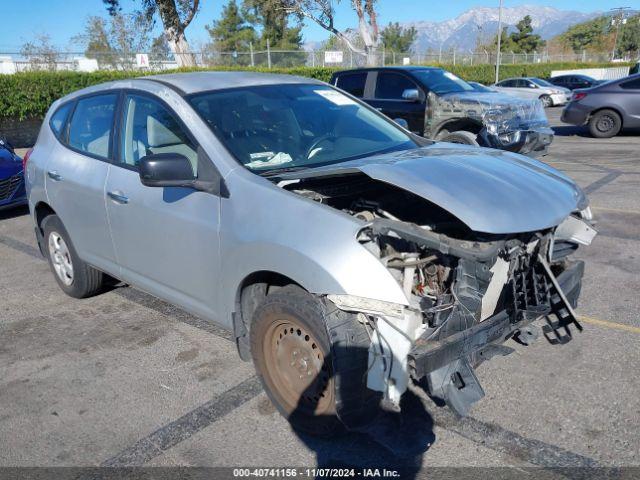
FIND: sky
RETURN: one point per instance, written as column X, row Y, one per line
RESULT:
column 62, row 19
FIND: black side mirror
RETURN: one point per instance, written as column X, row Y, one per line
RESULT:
column 166, row 170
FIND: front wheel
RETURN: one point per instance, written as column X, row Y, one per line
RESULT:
column 462, row 137
column 311, row 371
column 75, row 277
column 546, row 100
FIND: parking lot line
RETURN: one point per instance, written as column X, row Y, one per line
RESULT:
column 608, row 324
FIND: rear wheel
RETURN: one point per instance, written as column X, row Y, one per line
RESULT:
column 605, row 124
column 316, row 383
column 546, row 100
column 75, row 277
column 462, row 137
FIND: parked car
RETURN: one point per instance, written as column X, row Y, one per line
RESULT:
column 12, row 190
column 479, row 87
column 437, row 104
column 531, row 87
column 574, row 81
column 606, row 108
column 345, row 254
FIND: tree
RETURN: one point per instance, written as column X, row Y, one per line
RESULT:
column 176, row 15
column 587, row 35
column 40, row 53
column 115, row 41
column 273, row 20
column 160, row 51
column 232, row 33
column 323, row 13
column 629, row 37
column 398, row 39
column 521, row 41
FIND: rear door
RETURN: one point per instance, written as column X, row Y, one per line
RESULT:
column 388, row 98
column 166, row 238
column 76, row 174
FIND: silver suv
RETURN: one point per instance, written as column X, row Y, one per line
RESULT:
column 345, row 254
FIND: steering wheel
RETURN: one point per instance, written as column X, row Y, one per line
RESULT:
column 317, row 142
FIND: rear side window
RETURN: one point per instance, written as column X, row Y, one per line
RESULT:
column 59, row 119
column 506, row 83
column 391, row 85
column 353, row 83
column 631, row 84
column 92, row 123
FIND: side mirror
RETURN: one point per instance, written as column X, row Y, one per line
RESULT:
column 402, row 122
column 166, row 170
column 411, row 94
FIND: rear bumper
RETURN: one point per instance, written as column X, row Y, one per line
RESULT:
column 560, row 98
column 575, row 114
column 430, row 356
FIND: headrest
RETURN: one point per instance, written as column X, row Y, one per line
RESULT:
column 158, row 135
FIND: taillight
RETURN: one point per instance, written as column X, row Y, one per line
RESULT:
column 578, row 96
column 25, row 159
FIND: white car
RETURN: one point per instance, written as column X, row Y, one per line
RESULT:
column 531, row 87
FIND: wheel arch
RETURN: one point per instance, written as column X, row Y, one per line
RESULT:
column 457, row 124
column 40, row 212
column 615, row 109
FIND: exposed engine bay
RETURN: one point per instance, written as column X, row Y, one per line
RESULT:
column 468, row 292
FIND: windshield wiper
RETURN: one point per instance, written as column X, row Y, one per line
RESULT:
column 277, row 171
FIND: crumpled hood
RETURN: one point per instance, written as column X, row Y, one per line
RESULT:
column 502, row 112
column 491, row 191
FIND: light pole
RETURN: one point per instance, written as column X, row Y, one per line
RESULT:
column 617, row 19
column 499, row 39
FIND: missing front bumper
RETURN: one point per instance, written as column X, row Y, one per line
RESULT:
column 447, row 364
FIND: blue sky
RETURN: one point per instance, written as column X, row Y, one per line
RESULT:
column 62, row 19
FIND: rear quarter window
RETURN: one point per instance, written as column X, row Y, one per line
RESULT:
column 59, row 119
column 631, row 84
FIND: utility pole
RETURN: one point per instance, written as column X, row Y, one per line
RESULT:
column 499, row 39
column 618, row 17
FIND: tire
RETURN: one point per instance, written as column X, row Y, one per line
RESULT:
column 605, row 124
column 462, row 137
column 75, row 277
column 546, row 100
column 312, row 360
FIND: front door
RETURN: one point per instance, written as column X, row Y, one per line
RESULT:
column 388, row 98
column 166, row 238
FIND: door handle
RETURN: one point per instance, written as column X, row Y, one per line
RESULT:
column 118, row 197
column 53, row 175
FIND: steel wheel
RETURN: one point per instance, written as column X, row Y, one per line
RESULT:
column 60, row 258
column 296, row 366
column 605, row 123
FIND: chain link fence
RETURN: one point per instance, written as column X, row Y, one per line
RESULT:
column 12, row 62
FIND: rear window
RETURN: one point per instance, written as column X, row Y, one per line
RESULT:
column 353, row 83
column 59, row 119
column 91, row 124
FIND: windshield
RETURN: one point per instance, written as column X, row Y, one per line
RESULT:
column 440, row 81
column 275, row 127
column 541, row 82
column 481, row 88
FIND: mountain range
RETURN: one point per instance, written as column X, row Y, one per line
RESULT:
column 462, row 33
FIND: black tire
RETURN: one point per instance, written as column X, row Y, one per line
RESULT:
column 85, row 280
column 546, row 100
column 462, row 137
column 605, row 124
column 334, row 347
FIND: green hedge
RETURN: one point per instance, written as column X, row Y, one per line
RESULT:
column 29, row 94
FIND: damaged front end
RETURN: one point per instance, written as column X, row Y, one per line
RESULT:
column 507, row 123
column 467, row 292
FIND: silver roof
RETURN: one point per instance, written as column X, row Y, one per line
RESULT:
column 194, row 82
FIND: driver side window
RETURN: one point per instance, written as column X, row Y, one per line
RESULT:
column 150, row 128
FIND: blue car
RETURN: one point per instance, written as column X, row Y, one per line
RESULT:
column 12, row 190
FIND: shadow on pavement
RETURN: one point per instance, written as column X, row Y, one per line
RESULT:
column 14, row 212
